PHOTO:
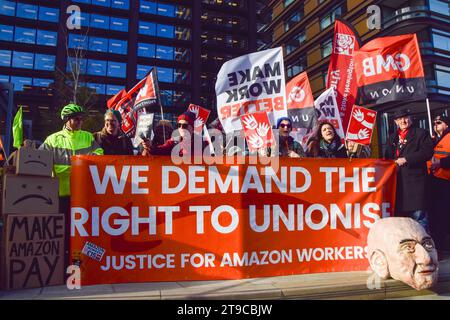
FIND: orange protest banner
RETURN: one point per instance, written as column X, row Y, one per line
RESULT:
column 139, row 219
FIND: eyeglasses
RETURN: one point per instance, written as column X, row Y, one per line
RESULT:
column 438, row 122
column 183, row 125
column 285, row 125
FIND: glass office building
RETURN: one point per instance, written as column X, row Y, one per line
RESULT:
column 117, row 45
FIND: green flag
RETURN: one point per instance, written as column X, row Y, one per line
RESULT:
column 18, row 129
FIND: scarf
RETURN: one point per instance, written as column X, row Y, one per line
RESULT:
column 329, row 148
column 401, row 140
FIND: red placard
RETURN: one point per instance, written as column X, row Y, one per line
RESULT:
column 257, row 129
column 201, row 116
column 360, row 127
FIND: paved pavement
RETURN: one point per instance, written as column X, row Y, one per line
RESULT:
column 338, row 285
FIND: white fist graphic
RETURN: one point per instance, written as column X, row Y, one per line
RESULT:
column 255, row 141
column 195, row 110
column 262, row 130
column 250, row 122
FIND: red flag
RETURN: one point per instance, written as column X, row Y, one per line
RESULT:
column 112, row 102
column 257, row 129
column 341, row 73
column 148, row 95
column 201, row 116
column 300, row 102
column 390, row 69
column 361, row 124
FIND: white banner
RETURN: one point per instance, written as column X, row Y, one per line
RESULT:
column 251, row 83
column 328, row 110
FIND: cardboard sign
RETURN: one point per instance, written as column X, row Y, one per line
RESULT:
column 142, row 219
column 29, row 161
column 251, row 83
column 144, row 128
column 33, row 251
column 360, row 127
column 30, row 194
column 258, row 131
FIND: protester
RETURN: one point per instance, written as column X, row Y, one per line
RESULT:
column 71, row 140
column 184, row 136
column 440, row 185
column 287, row 146
column 325, row 142
column 110, row 138
column 356, row 150
column 162, row 132
column 410, row 147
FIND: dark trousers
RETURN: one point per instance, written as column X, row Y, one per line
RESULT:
column 440, row 212
column 64, row 207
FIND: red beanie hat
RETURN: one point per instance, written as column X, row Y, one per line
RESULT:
column 187, row 116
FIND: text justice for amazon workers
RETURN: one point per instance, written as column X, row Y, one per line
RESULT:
column 291, row 180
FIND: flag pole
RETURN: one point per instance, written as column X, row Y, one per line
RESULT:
column 429, row 117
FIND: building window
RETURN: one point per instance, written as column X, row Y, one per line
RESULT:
column 5, row 58
column 147, row 28
column 142, row 71
column 38, row 82
column 22, row 60
column 165, row 31
column 6, row 32
column 295, row 42
column 47, row 38
column 84, row 19
column 119, row 24
column 293, row 19
column 296, row 68
column 98, row 44
column 146, row 50
column 164, row 52
column 441, row 40
column 27, row 11
column 330, row 18
column 25, row 35
column 77, row 66
column 4, row 78
column 326, row 48
column 77, row 41
column 20, row 83
column 97, row 87
column 113, row 89
column 117, row 69
column 443, row 78
column 44, row 62
column 147, row 7
column 287, row 2
column 99, row 21
column 442, row 7
column 118, row 46
column 96, row 67
column 48, row 14
column 7, row 8
column 120, row 4
column 165, row 74
column 103, row 3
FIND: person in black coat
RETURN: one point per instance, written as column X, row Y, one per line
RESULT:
column 411, row 148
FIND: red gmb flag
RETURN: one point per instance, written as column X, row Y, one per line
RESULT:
column 112, row 102
column 341, row 72
column 390, row 69
column 201, row 116
column 257, row 130
column 361, row 124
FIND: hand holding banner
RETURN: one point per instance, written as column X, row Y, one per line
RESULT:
column 201, row 116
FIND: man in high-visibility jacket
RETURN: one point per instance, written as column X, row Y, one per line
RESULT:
column 440, row 185
column 70, row 141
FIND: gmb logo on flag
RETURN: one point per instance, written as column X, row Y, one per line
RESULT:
column 344, row 44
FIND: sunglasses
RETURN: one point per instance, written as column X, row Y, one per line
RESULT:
column 183, row 125
column 438, row 122
column 285, row 125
